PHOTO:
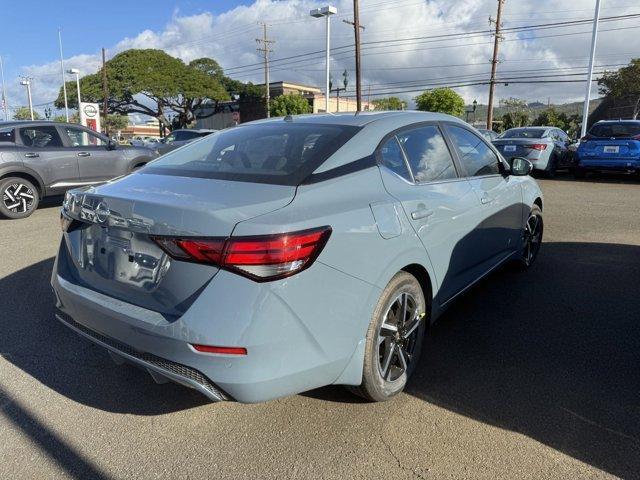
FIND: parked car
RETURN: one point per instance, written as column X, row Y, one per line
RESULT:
column 178, row 138
column 38, row 159
column 283, row 255
column 546, row 147
column 488, row 134
column 610, row 145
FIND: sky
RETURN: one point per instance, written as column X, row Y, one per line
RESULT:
column 397, row 59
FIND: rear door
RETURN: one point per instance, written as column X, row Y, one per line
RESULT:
column 499, row 224
column 95, row 162
column 41, row 148
column 418, row 169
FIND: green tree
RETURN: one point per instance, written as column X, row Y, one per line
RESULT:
column 289, row 104
column 23, row 113
column 551, row 118
column 444, row 100
column 515, row 119
column 153, row 83
column 115, row 122
column 624, row 83
column 73, row 118
column 389, row 103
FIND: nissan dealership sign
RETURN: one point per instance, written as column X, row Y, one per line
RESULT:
column 90, row 115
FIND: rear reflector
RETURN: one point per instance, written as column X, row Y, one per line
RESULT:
column 261, row 258
column 537, row 146
column 221, row 350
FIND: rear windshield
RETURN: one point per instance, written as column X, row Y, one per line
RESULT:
column 282, row 154
column 524, row 133
column 619, row 130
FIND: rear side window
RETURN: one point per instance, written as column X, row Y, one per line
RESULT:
column 428, row 154
column 282, row 154
column 40, row 137
column 619, row 130
column 391, row 156
column 476, row 157
column 82, row 138
column 7, row 135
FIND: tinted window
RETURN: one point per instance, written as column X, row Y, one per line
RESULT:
column 524, row 133
column 391, row 156
column 615, row 130
column 283, row 153
column 82, row 138
column 476, row 157
column 7, row 135
column 40, row 137
column 427, row 153
column 182, row 135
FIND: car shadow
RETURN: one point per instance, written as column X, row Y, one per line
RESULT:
column 552, row 353
column 33, row 340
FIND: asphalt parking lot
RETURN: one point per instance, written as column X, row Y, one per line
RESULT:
column 533, row 375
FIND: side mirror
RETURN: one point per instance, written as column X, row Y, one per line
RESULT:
column 521, row 167
column 112, row 144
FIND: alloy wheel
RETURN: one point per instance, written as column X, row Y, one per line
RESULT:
column 18, row 198
column 532, row 238
column 397, row 336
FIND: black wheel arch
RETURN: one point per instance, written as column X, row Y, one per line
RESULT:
column 139, row 162
column 27, row 174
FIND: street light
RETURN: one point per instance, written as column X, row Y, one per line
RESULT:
column 318, row 13
column 76, row 72
column 27, row 83
column 473, row 110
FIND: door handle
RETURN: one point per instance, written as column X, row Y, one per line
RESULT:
column 422, row 213
column 31, row 155
column 84, row 154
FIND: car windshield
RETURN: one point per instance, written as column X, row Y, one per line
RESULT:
column 524, row 133
column 283, row 154
column 619, row 130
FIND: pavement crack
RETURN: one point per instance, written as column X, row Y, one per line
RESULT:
column 402, row 467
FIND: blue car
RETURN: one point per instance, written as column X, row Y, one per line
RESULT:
column 610, row 145
column 288, row 254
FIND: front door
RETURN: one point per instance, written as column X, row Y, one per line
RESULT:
column 95, row 162
column 42, row 150
column 500, row 197
column 418, row 170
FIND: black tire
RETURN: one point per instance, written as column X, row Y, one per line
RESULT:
column 404, row 345
column 552, row 167
column 531, row 238
column 19, row 198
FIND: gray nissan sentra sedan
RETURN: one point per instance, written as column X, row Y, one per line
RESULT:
column 288, row 254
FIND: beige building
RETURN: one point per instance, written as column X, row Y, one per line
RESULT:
column 316, row 98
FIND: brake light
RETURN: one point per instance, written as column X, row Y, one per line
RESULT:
column 261, row 258
column 537, row 146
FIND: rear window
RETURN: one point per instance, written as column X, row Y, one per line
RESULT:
column 619, row 130
column 7, row 135
column 282, row 154
column 524, row 133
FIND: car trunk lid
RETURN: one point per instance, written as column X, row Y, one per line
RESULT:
column 110, row 247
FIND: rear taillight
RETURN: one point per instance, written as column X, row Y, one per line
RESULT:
column 537, row 146
column 219, row 350
column 261, row 258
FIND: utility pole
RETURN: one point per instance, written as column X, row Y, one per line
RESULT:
column 26, row 81
column 264, row 46
column 4, row 93
column 105, row 92
column 356, row 29
column 587, row 97
column 494, row 63
column 64, row 83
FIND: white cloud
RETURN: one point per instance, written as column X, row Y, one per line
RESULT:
column 387, row 68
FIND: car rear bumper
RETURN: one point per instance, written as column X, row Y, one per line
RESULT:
column 614, row 164
column 293, row 344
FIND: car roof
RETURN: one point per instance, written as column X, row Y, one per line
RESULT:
column 23, row 123
column 360, row 119
column 618, row 121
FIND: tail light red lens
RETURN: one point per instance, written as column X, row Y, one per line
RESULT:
column 261, row 258
column 220, row 350
column 537, row 146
